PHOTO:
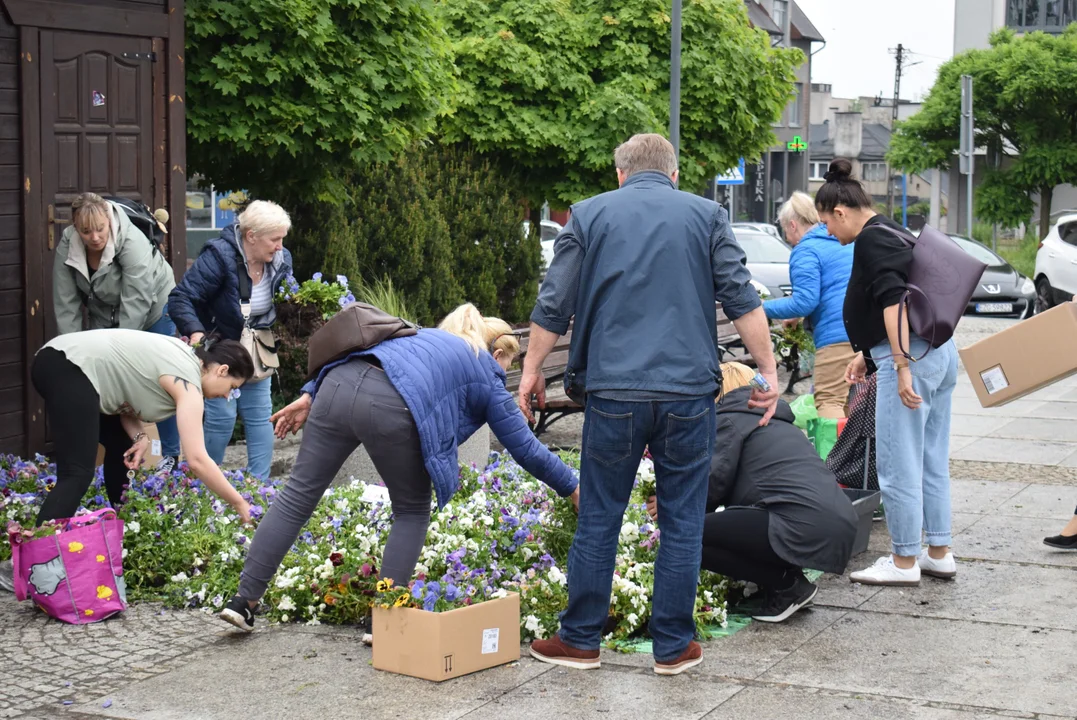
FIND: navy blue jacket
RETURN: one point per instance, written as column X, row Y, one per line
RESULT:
column 640, row 268
column 207, row 298
column 819, row 268
column 451, row 393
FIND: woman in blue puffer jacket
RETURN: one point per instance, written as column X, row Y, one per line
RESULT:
column 819, row 269
column 207, row 301
column 411, row 402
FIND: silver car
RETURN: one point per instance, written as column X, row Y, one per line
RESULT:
column 768, row 260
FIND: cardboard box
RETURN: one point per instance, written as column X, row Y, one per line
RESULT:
column 440, row 646
column 1024, row 357
column 152, row 457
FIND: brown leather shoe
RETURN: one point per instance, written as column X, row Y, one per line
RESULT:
column 557, row 652
column 692, row 656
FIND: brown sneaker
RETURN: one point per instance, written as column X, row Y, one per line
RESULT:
column 692, row 656
column 556, row 652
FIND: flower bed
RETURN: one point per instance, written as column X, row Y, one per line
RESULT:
column 504, row 531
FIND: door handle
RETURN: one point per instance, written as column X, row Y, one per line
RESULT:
column 52, row 227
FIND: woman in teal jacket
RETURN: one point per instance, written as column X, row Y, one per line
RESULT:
column 819, row 269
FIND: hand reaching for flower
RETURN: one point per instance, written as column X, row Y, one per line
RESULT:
column 652, row 507
column 575, row 498
column 291, row 417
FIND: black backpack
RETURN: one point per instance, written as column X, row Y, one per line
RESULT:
column 141, row 217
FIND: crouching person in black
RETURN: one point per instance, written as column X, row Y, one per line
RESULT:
column 784, row 510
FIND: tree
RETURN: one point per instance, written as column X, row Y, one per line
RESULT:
column 1025, row 92
column 551, row 87
column 285, row 96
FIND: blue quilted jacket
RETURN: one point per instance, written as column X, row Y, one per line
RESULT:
column 819, row 269
column 452, row 393
column 207, row 298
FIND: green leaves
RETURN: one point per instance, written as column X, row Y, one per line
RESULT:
column 284, row 95
column 1025, row 93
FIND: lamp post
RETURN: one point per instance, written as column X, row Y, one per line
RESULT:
column 675, row 80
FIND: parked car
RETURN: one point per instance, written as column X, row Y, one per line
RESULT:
column 1003, row 292
column 548, row 231
column 1056, row 264
column 768, row 259
column 759, row 227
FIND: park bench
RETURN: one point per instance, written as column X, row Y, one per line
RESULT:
column 730, row 349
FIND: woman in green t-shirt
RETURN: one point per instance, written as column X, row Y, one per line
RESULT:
column 101, row 385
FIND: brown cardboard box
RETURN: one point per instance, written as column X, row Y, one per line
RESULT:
column 152, row 457
column 1024, row 357
column 440, row 646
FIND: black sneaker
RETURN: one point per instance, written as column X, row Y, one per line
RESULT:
column 1062, row 542
column 783, row 603
column 239, row 613
column 167, row 464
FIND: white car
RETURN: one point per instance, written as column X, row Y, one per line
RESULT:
column 549, row 231
column 1056, row 264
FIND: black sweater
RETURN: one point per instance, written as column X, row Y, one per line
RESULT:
column 880, row 274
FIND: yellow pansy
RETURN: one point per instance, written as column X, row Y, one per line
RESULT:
column 74, row 547
column 104, row 592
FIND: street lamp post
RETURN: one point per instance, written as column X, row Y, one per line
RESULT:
column 675, row 80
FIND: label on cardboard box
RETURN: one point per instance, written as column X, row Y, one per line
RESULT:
column 994, row 380
column 490, row 639
column 155, row 447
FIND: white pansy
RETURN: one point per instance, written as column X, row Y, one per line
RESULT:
column 134, row 526
column 286, row 603
column 557, row 576
column 180, row 577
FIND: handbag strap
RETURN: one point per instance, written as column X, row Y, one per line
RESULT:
column 91, row 518
column 16, row 567
column 903, row 305
column 244, row 282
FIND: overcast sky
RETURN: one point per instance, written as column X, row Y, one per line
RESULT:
column 859, row 34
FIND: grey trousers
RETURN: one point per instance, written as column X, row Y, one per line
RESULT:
column 356, row 404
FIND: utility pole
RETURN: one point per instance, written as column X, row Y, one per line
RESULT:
column 900, row 65
column 675, row 80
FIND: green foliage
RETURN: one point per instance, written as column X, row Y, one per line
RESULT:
column 1022, row 257
column 982, row 233
column 284, row 96
column 1025, row 92
column 551, row 87
column 441, row 223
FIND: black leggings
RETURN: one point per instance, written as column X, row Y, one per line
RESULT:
column 73, row 408
column 736, row 544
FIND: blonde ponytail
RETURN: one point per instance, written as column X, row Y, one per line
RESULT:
column 481, row 333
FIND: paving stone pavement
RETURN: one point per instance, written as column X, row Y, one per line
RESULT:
column 1000, row 641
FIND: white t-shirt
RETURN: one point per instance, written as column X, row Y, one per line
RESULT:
column 262, row 295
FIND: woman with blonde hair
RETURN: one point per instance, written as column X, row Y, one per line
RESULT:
column 106, row 265
column 783, row 509
column 819, row 269
column 411, row 401
column 249, row 256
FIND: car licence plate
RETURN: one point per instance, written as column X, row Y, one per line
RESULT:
column 994, row 307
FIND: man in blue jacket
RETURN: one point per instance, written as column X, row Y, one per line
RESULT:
column 640, row 268
column 819, row 269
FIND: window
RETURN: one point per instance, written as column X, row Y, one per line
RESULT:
column 781, row 9
column 762, row 248
column 796, row 104
column 817, row 170
column 873, row 172
column 1068, row 233
column 1047, row 15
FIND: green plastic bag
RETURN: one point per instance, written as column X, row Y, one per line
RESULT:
column 803, row 410
column 823, row 433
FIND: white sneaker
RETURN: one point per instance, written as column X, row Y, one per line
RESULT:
column 885, row 572
column 167, row 465
column 945, row 568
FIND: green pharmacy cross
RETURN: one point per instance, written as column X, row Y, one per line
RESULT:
column 796, row 144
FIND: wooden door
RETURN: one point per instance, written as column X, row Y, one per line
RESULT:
column 96, row 127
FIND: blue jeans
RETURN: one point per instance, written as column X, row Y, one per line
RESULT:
column 254, row 405
column 166, row 429
column 680, row 435
column 913, row 447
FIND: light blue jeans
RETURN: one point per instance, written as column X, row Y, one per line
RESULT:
column 913, row 447
column 166, row 429
column 254, row 405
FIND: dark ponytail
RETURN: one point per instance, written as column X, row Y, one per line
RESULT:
column 841, row 188
column 215, row 351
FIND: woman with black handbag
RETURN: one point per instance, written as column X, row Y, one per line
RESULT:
column 915, row 385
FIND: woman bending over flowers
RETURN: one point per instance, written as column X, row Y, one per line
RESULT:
column 411, row 401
